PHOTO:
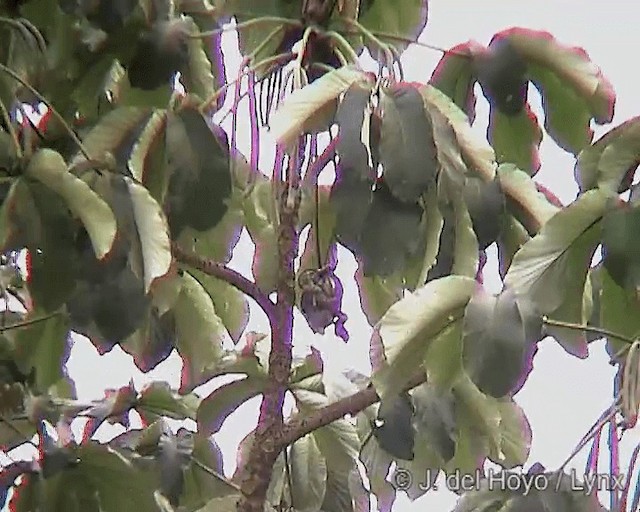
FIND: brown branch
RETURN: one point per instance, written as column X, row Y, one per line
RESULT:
column 300, row 426
column 265, row 451
column 230, row 276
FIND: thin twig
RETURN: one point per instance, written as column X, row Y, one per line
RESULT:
column 228, row 275
column 55, row 113
column 262, row 20
column 30, row 321
column 587, row 328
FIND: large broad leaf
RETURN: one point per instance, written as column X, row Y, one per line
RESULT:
column 395, row 433
column 102, row 479
column 515, row 435
column 289, row 120
column 611, row 161
column 159, row 400
column 403, row 18
column 43, row 347
column 223, row 401
column 260, row 213
column 618, row 313
column 49, row 167
column 497, row 331
column 153, row 232
column 525, row 202
column 406, row 148
column 455, row 77
column 377, row 293
column 486, row 205
column 390, row 234
column 551, row 269
column 114, row 137
column 620, row 247
column 338, row 442
column 572, row 87
column 435, row 419
column 502, row 74
column 198, row 76
column 308, row 474
column 200, row 182
column 516, row 139
column 459, row 148
column 199, row 331
column 405, row 330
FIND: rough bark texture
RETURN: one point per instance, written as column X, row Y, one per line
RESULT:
column 265, row 450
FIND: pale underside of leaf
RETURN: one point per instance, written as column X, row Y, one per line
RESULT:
column 49, row 168
column 153, row 232
column 408, row 326
column 109, row 133
column 605, row 163
column 141, row 148
column 519, row 186
column 571, row 64
column 475, row 151
column 287, row 122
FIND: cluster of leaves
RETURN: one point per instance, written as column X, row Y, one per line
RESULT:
column 122, row 168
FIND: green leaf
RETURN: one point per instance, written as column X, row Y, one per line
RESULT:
column 516, row 139
column 406, row 149
column 200, row 179
column 102, row 479
column 49, row 168
column 496, row 339
column 443, row 357
column 485, row 203
column 200, row 332
column 338, row 442
column 298, row 109
column 395, row 433
column 620, row 248
column 515, row 435
column 308, row 474
column 198, row 75
column 153, row 232
column 403, row 18
column 408, row 326
column 223, row 401
column 454, row 76
column 435, row 419
column 115, row 134
column 390, row 234
column 551, row 268
column 261, row 217
column 43, row 347
column 143, row 158
column 200, row 485
column 460, row 149
column 608, row 162
column 530, row 207
column 618, row 313
column 572, row 87
column 159, row 400
column 377, row 293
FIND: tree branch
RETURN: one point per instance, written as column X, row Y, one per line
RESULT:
column 302, row 425
column 230, row 276
column 265, row 450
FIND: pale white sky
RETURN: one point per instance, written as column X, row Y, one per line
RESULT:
column 563, row 395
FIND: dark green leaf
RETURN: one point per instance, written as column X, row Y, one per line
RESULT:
column 611, row 161
column 395, row 432
column 516, row 138
column 200, row 182
column 406, row 151
column 215, row 408
column 496, row 341
column 620, row 246
column 435, row 419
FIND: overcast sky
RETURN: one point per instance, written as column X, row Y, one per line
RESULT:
column 563, row 395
